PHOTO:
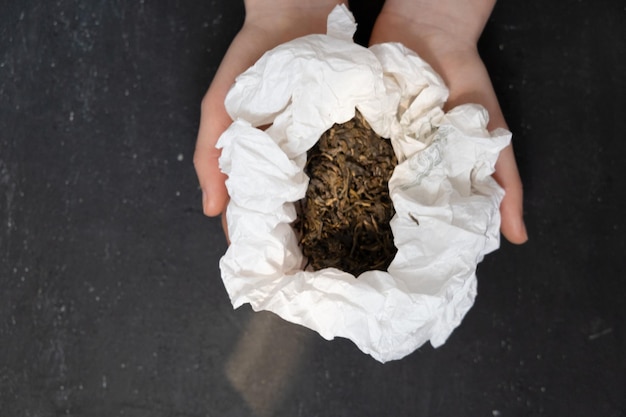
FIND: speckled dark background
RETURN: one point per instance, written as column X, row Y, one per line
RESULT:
column 111, row 303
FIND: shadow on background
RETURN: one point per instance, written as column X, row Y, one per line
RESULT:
column 265, row 359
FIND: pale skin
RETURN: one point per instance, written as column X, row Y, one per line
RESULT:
column 443, row 32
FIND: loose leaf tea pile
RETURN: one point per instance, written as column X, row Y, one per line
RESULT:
column 344, row 219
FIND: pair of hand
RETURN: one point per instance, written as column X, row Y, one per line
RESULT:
column 443, row 32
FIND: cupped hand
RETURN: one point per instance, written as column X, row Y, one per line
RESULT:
column 268, row 23
column 445, row 34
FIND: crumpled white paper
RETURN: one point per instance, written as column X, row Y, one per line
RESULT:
column 445, row 199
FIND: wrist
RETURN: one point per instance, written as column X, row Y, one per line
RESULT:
column 295, row 17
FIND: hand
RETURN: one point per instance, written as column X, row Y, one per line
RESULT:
column 268, row 23
column 445, row 34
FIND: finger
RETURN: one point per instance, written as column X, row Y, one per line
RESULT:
column 213, row 121
column 511, row 208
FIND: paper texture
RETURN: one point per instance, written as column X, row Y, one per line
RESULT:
column 443, row 182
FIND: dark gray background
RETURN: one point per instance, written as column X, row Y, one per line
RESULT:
column 111, row 303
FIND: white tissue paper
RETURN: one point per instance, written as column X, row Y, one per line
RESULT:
column 443, row 180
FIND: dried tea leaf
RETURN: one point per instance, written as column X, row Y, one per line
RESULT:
column 344, row 217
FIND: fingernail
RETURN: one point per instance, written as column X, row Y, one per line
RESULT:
column 525, row 232
column 521, row 227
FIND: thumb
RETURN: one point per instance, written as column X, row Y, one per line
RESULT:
column 511, row 208
column 213, row 121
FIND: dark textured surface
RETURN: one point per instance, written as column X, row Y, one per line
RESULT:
column 111, row 302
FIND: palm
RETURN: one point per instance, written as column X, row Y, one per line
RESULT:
column 259, row 34
column 456, row 59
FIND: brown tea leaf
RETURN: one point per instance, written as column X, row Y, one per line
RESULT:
column 344, row 217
